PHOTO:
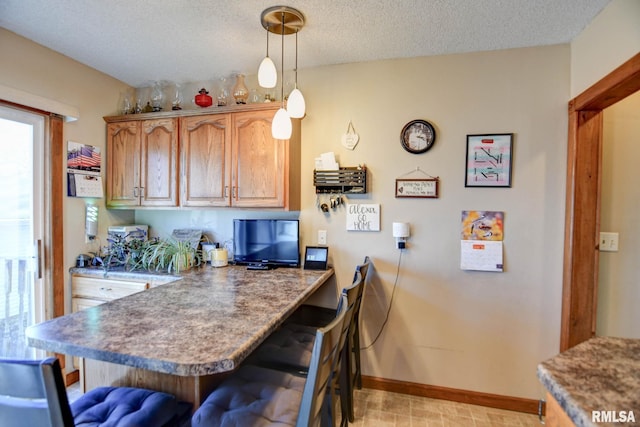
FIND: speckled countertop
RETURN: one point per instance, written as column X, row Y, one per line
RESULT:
column 205, row 322
column 601, row 374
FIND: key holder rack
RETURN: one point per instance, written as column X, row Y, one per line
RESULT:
column 347, row 180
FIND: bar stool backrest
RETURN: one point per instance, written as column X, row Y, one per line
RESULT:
column 363, row 268
column 328, row 343
column 32, row 393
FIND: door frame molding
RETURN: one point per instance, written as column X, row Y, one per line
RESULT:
column 582, row 215
column 54, row 162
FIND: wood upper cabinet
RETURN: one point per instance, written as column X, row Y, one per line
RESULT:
column 232, row 160
column 259, row 162
column 123, row 163
column 205, row 157
column 159, row 163
column 142, row 163
column 226, row 158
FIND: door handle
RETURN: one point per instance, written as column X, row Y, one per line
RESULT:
column 38, row 258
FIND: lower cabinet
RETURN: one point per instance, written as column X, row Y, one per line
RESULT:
column 555, row 415
column 91, row 291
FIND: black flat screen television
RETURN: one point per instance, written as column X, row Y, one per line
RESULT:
column 266, row 243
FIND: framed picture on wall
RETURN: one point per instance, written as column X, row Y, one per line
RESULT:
column 489, row 160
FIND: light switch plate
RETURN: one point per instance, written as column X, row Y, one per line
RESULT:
column 322, row 237
column 608, row 242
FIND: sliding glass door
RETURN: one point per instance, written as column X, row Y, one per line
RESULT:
column 21, row 228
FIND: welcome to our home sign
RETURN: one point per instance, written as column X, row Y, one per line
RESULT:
column 363, row 217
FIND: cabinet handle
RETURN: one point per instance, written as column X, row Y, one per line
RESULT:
column 142, row 192
column 135, row 191
column 106, row 289
column 234, row 191
column 226, row 191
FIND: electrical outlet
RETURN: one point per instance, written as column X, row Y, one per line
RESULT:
column 322, row 237
column 609, row 242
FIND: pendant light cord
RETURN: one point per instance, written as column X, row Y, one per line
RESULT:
column 267, row 40
column 282, row 63
column 296, row 69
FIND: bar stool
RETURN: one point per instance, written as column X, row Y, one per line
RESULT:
column 255, row 395
column 32, row 393
column 289, row 348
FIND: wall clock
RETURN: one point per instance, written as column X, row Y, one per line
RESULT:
column 418, row 136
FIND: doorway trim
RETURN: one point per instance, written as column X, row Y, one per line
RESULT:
column 582, row 217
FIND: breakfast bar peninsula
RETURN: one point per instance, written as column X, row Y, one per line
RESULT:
column 183, row 336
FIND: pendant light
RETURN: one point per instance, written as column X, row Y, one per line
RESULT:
column 267, row 73
column 283, row 20
column 281, row 127
column 295, row 104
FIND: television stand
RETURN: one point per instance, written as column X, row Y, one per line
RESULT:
column 259, row 267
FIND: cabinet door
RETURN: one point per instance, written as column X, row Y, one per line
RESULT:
column 205, row 152
column 159, row 163
column 259, row 162
column 123, row 164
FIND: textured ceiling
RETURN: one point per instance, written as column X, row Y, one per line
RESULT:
column 137, row 41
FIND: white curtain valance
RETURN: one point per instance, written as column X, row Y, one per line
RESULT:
column 18, row 96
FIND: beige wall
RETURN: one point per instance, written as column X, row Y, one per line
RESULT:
column 618, row 291
column 447, row 327
column 608, row 41
column 31, row 68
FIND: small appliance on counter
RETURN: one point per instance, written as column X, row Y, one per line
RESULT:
column 219, row 257
column 213, row 254
column 207, row 248
column 129, row 232
column 84, row 261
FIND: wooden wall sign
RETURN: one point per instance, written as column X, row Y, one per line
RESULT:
column 417, row 188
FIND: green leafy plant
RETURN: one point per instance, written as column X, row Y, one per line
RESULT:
column 171, row 255
column 125, row 250
column 134, row 253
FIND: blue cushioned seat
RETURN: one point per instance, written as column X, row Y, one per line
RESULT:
column 289, row 346
column 123, row 406
column 32, row 393
column 253, row 396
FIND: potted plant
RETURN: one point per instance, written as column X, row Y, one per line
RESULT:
column 171, row 255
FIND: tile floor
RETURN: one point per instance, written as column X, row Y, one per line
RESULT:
column 374, row 408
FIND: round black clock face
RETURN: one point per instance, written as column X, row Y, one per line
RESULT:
column 417, row 136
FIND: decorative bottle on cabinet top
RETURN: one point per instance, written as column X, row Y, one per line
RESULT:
column 203, row 99
column 240, row 91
